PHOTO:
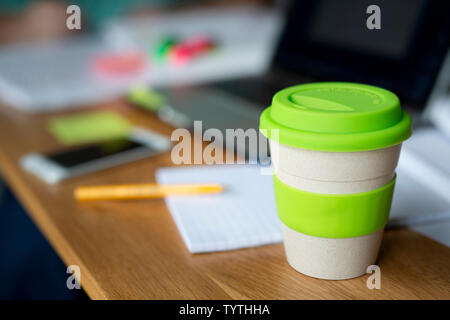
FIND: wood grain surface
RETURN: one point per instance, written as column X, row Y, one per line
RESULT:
column 132, row 249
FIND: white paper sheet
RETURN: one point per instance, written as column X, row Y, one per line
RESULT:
column 242, row 216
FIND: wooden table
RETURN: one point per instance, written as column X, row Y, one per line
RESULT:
column 132, row 249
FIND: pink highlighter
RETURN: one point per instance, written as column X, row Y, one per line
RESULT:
column 184, row 52
column 119, row 64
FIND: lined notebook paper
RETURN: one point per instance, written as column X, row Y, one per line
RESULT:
column 242, row 216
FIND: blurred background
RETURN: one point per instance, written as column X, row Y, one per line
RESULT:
column 220, row 62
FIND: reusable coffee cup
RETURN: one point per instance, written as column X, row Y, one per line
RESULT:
column 334, row 147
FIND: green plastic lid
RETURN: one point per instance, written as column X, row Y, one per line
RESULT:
column 336, row 116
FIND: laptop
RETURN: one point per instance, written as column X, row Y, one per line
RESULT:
column 329, row 41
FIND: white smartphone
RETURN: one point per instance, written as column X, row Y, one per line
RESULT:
column 57, row 166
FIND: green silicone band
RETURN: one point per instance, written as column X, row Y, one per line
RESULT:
column 333, row 215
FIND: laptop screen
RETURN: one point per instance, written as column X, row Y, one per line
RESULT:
column 330, row 40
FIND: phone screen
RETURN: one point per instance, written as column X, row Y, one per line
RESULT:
column 85, row 154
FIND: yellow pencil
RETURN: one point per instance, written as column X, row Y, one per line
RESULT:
column 142, row 191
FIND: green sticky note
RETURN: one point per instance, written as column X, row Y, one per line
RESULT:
column 146, row 98
column 88, row 127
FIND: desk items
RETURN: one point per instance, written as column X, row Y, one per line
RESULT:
column 240, row 53
column 65, row 73
column 53, row 167
column 146, row 98
column 119, row 64
column 184, row 52
column 208, row 223
column 71, row 72
column 150, row 100
column 422, row 197
column 163, row 47
column 142, row 191
column 426, row 157
column 87, row 127
column 334, row 173
column 181, row 52
column 97, row 140
column 244, row 215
